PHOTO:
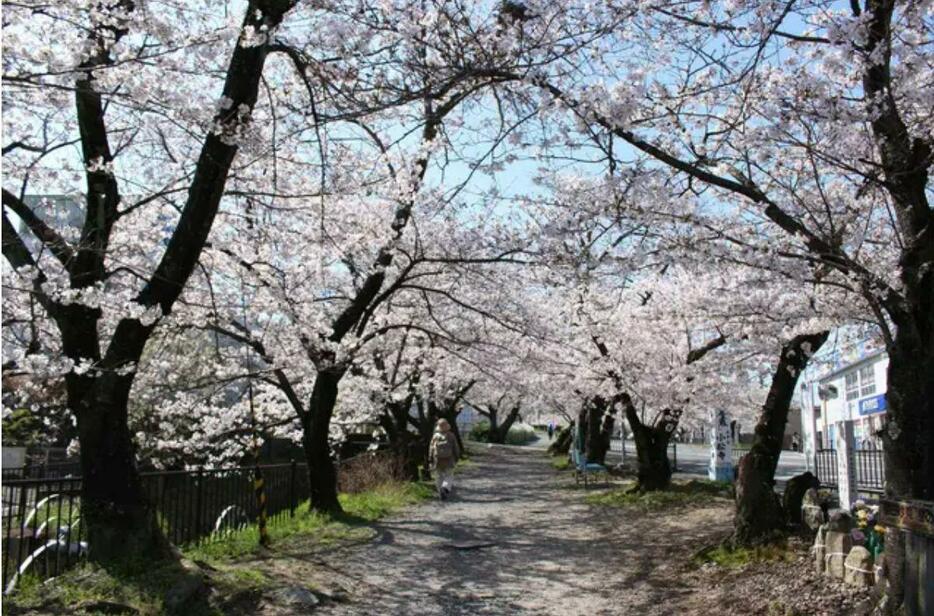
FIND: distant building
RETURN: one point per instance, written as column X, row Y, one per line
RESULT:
column 845, row 381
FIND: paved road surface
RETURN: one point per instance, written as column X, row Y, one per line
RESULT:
column 693, row 459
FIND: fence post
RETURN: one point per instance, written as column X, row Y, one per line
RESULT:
column 292, row 477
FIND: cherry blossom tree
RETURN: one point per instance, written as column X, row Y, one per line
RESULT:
column 103, row 290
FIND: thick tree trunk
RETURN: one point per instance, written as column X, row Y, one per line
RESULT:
column 503, row 430
column 562, row 442
column 654, row 470
column 600, row 420
column 120, row 520
column 316, row 424
column 758, row 513
column 403, row 443
column 908, row 438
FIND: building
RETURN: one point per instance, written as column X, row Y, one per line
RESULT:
column 845, row 381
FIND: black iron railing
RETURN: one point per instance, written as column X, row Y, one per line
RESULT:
column 43, row 533
column 869, row 465
column 825, row 461
column 870, row 470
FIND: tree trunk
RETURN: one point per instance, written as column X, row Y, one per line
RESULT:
column 654, row 470
column 600, row 421
column 316, row 424
column 120, row 520
column 502, row 431
column 908, row 438
column 562, row 442
column 758, row 513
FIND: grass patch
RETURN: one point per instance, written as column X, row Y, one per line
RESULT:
column 89, row 589
column 561, row 463
column 680, row 494
column 359, row 509
column 374, row 504
column 736, row 558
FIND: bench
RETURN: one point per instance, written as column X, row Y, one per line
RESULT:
column 583, row 469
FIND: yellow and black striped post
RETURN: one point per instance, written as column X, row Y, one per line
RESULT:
column 259, row 486
column 260, row 489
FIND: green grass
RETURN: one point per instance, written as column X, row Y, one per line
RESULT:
column 359, row 509
column 736, row 558
column 141, row 586
column 680, row 494
column 384, row 500
column 561, row 463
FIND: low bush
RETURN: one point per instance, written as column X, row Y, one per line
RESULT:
column 519, row 434
column 370, row 470
column 480, row 432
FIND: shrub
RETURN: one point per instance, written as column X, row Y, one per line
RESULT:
column 370, row 470
column 519, row 434
column 480, row 432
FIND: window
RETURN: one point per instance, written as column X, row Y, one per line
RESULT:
column 852, row 385
column 867, row 380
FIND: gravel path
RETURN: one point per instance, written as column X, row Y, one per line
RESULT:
column 552, row 553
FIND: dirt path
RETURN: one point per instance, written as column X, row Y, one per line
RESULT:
column 553, row 553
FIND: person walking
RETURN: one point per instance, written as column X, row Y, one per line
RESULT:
column 551, row 430
column 443, row 454
column 795, row 442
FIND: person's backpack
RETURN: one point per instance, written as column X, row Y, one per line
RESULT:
column 444, row 447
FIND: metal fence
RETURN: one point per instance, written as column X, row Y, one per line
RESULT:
column 869, row 466
column 870, row 470
column 825, row 461
column 43, row 533
column 624, row 449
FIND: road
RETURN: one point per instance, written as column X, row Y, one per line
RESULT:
column 694, row 459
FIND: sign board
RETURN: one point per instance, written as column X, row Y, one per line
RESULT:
column 875, row 404
column 721, row 449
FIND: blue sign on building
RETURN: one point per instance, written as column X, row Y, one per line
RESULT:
column 875, row 404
